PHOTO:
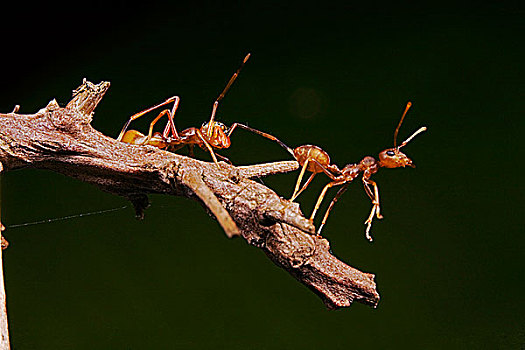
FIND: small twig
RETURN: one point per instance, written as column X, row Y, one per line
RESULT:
column 62, row 140
column 261, row 170
column 208, row 197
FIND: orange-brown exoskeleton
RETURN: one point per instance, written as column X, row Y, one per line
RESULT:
column 316, row 160
column 211, row 135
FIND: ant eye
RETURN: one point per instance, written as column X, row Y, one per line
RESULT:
column 390, row 153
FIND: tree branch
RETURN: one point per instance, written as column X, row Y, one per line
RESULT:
column 4, row 329
column 62, row 140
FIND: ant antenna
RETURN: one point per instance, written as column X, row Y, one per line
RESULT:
column 409, row 104
column 419, row 131
column 232, row 79
column 268, row 136
column 221, row 96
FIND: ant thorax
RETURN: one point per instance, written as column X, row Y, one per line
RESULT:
column 351, row 171
column 368, row 165
column 368, row 162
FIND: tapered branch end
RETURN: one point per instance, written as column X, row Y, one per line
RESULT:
column 87, row 96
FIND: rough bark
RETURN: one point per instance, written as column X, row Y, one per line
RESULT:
column 4, row 330
column 62, row 140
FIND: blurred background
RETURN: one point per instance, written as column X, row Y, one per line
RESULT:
column 448, row 255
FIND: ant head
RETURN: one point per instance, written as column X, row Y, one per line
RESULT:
column 216, row 134
column 215, row 126
column 393, row 157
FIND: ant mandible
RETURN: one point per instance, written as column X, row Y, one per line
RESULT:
column 210, row 135
column 316, row 160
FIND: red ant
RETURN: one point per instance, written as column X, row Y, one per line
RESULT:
column 210, row 135
column 316, row 160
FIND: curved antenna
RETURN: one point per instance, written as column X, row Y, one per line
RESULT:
column 419, row 131
column 221, row 96
column 409, row 104
column 263, row 134
column 232, row 79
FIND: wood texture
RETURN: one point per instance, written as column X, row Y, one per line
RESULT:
column 62, row 140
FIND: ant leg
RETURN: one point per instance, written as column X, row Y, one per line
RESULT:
column 223, row 158
column 299, row 179
column 368, row 191
column 376, row 192
column 167, row 129
column 173, row 148
column 374, row 197
column 306, row 184
column 321, row 196
column 375, row 208
column 336, row 198
column 366, row 184
column 368, row 222
column 190, row 150
column 170, row 125
column 208, row 147
column 232, row 127
column 150, row 132
column 305, row 165
column 325, row 170
column 140, row 114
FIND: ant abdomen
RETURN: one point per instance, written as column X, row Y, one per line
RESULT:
column 310, row 152
column 135, row 137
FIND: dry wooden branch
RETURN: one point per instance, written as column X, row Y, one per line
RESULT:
column 62, row 140
column 4, row 329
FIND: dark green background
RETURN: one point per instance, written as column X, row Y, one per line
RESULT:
column 448, row 256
